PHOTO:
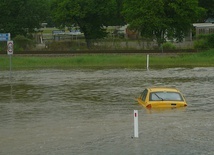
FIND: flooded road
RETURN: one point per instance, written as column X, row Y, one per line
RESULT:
column 85, row 112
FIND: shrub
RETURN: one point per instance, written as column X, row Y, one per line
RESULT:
column 22, row 43
column 200, row 44
column 168, row 46
column 3, row 46
column 204, row 41
column 65, row 45
column 210, row 40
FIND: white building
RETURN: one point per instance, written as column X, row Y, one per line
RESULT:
column 204, row 28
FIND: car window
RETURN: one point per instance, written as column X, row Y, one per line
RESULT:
column 144, row 94
column 166, row 96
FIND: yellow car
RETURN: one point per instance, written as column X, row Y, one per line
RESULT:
column 161, row 97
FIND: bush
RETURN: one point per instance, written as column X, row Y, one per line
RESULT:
column 210, row 41
column 3, row 46
column 65, row 45
column 58, row 46
column 168, row 46
column 204, row 41
column 200, row 44
column 21, row 43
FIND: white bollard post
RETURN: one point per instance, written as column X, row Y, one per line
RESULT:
column 136, row 123
column 147, row 64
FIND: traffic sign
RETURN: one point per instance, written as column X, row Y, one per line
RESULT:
column 9, row 47
column 4, row 36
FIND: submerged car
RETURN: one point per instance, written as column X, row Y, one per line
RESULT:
column 161, row 97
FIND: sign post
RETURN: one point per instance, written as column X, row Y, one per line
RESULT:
column 10, row 53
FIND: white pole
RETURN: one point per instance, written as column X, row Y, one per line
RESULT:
column 10, row 65
column 136, row 123
column 147, row 64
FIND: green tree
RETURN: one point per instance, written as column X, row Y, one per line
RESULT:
column 20, row 17
column 160, row 18
column 209, row 6
column 90, row 15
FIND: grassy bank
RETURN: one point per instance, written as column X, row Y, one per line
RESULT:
column 202, row 59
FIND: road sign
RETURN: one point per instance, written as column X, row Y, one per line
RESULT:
column 4, row 36
column 9, row 47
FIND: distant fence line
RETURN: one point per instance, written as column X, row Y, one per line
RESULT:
column 104, row 52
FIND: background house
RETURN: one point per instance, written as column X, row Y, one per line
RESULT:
column 204, row 28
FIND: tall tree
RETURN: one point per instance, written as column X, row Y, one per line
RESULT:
column 22, row 16
column 158, row 18
column 90, row 15
column 209, row 6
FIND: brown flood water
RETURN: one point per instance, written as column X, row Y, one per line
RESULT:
column 66, row 112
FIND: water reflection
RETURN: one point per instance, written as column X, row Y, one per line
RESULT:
column 90, row 112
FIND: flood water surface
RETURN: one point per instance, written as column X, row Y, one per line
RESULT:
column 85, row 112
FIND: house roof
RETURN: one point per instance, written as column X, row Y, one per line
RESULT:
column 203, row 25
column 209, row 20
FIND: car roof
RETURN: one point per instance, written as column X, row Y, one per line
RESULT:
column 155, row 89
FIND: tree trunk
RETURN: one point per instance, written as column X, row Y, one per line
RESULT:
column 88, row 42
column 159, row 37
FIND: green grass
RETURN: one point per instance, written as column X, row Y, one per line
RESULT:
column 202, row 59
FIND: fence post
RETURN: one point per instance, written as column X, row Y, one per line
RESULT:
column 136, row 124
column 147, row 60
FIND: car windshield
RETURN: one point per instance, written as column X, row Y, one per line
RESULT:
column 165, row 96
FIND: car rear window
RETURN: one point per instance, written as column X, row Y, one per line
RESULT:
column 165, row 96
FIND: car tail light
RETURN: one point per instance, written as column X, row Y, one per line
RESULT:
column 149, row 106
column 185, row 105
